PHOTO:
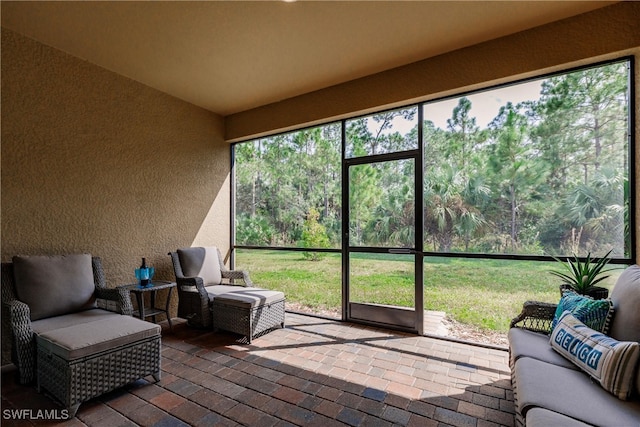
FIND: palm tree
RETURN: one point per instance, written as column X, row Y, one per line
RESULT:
column 447, row 212
column 598, row 208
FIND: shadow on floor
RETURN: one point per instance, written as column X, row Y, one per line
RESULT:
column 315, row 372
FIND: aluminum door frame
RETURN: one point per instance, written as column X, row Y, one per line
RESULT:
column 375, row 314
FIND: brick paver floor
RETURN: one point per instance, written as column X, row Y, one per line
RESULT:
column 315, row 372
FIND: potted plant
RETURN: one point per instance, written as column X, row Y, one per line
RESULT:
column 582, row 276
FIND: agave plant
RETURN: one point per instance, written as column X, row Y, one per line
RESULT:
column 583, row 276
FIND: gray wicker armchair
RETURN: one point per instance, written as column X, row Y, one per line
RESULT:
column 17, row 324
column 194, row 302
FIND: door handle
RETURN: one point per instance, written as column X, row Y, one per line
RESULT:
column 403, row 251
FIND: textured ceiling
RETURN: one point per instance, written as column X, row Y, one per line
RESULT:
column 231, row 56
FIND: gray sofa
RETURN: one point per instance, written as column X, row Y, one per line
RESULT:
column 550, row 390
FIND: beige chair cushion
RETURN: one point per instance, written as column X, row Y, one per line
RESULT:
column 249, row 297
column 201, row 262
column 54, row 285
column 87, row 339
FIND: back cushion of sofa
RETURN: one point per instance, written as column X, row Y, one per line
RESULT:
column 626, row 302
column 54, row 285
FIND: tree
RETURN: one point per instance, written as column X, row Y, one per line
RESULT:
column 581, row 129
column 584, row 115
column 365, row 194
column 393, row 221
column 514, row 167
column 314, row 235
column 598, row 208
column 248, row 176
column 539, row 178
column 447, row 214
column 463, row 137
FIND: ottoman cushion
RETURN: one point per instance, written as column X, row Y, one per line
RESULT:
column 217, row 290
column 249, row 297
column 58, row 322
column 86, row 339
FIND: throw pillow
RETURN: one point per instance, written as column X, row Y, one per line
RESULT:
column 596, row 314
column 610, row 362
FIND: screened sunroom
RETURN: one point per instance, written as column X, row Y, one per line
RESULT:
column 442, row 217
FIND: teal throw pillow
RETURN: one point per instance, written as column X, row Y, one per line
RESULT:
column 596, row 314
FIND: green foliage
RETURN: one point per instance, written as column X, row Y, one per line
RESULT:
column 546, row 176
column 253, row 231
column 314, row 235
column 583, row 276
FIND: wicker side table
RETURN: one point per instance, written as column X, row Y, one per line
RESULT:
column 152, row 310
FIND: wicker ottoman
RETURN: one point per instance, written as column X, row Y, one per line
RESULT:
column 248, row 311
column 83, row 361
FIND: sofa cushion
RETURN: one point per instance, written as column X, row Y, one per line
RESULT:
column 540, row 417
column 88, row 339
column 66, row 320
column 523, row 343
column 54, row 285
column 201, row 262
column 250, row 297
column 569, row 392
column 612, row 363
column 596, row 314
column 625, row 296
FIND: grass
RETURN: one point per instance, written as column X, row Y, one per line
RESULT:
column 483, row 293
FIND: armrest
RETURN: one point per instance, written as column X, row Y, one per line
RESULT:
column 195, row 282
column 120, row 297
column 19, row 319
column 24, row 349
column 535, row 316
column 237, row 275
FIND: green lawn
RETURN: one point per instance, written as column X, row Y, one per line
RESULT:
column 484, row 293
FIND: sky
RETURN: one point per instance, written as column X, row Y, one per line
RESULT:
column 484, row 106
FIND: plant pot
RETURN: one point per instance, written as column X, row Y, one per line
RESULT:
column 596, row 292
